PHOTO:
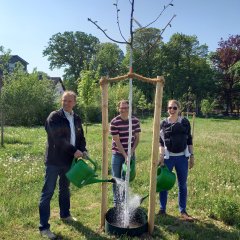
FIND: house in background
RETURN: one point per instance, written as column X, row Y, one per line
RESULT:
column 14, row 59
column 59, row 87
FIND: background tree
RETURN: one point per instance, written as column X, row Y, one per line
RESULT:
column 109, row 58
column 146, row 47
column 234, row 71
column 118, row 92
column 70, row 50
column 4, row 71
column 142, row 104
column 207, row 106
column 27, row 100
column 185, row 64
column 188, row 101
column 88, row 97
column 224, row 59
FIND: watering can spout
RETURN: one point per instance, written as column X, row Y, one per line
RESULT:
column 143, row 198
column 95, row 180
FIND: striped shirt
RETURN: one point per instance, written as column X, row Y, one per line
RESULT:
column 120, row 127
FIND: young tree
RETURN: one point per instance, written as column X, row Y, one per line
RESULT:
column 207, row 106
column 142, row 104
column 224, row 59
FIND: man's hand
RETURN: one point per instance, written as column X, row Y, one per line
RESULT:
column 78, row 154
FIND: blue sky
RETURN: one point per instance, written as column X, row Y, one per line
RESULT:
column 26, row 26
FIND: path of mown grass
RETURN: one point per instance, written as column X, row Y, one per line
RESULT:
column 214, row 186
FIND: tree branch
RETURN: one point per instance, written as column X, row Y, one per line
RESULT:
column 158, row 38
column 118, row 23
column 104, row 32
column 164, row 9
column 131, row 25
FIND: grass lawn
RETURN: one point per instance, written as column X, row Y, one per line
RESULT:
column 213, row 186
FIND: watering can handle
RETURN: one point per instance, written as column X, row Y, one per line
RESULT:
column 86, row 157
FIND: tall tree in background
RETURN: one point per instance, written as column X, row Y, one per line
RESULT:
column 234, row 71
column 69, row 50
column 4, row 59
column 224, row 59
column 146, row 46
column 87, row 89
column 109, row 58
column 185, row 65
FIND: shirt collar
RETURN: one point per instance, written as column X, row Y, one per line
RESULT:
column 68, row 114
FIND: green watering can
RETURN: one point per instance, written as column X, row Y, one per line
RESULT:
column 81, row 174
column 165, row 179
column 132, row 170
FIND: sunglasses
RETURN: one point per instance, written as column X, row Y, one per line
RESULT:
column 174, row 108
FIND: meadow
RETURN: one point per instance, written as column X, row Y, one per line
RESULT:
column 213, row 185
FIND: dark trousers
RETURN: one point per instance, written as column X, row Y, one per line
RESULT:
column 181, row 165
column 51, row 176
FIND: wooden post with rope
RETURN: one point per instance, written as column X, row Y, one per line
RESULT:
column 159, row 81
column 154, row 155
column 104, row 87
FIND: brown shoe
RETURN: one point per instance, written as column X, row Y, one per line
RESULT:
column 186, row 217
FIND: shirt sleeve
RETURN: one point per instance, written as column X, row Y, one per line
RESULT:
column 137, row 126
column 113, row 128
column 189, row 139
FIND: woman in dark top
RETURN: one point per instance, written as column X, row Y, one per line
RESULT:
column 176, row 150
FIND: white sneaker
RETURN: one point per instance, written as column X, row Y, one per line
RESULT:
column 69, row 219
column 47, row 233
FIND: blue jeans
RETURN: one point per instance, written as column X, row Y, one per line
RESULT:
column 51, row 176
column 181, row 166
column 117, row 162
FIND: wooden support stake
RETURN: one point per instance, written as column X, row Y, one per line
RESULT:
column 104, row 87
column 155, row 151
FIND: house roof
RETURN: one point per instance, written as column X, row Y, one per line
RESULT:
column 16, row 58
column 56, row 80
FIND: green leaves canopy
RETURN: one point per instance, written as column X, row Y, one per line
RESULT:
column 70, row 50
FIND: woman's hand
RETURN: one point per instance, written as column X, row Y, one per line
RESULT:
column 191, row 161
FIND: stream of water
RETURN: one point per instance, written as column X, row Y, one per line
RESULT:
column 134, row 201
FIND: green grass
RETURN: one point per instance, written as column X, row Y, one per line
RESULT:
column 214, row 186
